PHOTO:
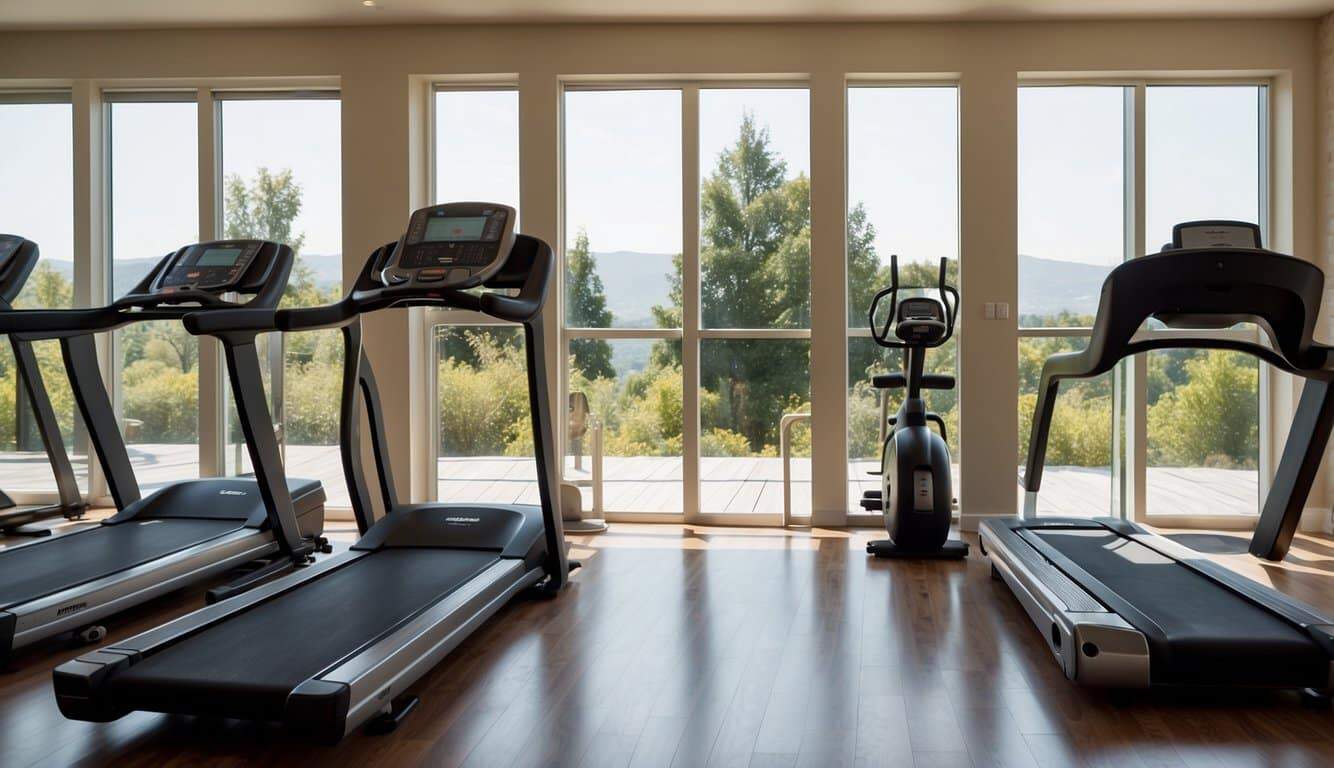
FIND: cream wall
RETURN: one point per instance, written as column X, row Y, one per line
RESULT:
column 383, row 71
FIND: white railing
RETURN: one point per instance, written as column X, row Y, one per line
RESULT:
column 785, row 449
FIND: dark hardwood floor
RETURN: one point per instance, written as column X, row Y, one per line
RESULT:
column 680, row 646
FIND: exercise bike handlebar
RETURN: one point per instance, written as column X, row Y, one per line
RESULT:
column 884, row 334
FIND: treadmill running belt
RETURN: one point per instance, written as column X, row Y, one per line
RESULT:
column 1205, row 633
column 246, row 665
column 35, row 570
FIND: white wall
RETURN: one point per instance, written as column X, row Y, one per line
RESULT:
column 383, row 70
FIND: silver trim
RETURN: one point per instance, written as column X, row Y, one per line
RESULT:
column 380, row 672
column 1093, row 647
column 42, row 618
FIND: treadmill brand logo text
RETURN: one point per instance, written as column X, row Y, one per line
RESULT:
column 231, row 493
column 67, row 610
column 463, row 519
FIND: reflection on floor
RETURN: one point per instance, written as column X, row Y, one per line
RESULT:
column 650, row 484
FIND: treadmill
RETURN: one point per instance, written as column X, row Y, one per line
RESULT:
column 1120, row 606
column 187, row 531
column 18, row 256
column 331, row 647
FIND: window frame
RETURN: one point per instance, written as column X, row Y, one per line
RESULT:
column 206, row 94
column 854, row 514
column 692, row 332
column 1129, row 498
column 79, row 445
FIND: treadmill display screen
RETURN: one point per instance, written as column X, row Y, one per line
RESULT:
column 453, row 229
column 219, row 257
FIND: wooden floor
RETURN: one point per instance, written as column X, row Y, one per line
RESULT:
column 749, row 647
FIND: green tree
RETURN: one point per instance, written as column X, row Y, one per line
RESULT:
column 264, row 208
column 1210, row 419
column 586, row 307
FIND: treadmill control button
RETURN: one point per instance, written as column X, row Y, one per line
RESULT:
column 397, row 279
column 430, row 275
column 458, row 275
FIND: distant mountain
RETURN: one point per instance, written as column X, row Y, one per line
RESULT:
column 1047, row 286
column 328, row 269
column 634, row 283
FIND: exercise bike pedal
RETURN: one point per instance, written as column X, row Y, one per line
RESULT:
column 388, row 722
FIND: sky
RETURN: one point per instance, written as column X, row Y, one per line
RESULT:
column 623, row 157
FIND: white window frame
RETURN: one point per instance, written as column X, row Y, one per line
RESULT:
column 80, row 444
column 1130, row 461
column 855, row 515
column 206, row 94
column 692, row 332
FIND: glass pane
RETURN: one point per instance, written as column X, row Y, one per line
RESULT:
column 1077, row 475
column 755, row 208
column 903, row 198
column 485, row 446
column 747, row 385
column 155, row 210
column 622, row 209
column 1072, row 189
column 1203, row 156
column 36, row 187
column 282, row 180
column 477, row 146
column 1203, row 433
column 625, row 424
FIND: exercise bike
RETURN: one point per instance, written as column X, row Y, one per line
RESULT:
column 916, row 495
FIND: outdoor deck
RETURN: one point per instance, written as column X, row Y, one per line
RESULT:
column 734, row 486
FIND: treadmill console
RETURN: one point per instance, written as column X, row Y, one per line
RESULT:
column 216, row 267
column 453, row 245
column 1215, row 234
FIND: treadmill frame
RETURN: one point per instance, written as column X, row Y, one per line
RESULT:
column 356, row 688
column 1075, row 612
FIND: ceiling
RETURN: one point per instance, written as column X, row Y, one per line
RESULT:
column 94, row 14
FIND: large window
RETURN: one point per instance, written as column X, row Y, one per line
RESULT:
column 1154, row 437
column 684, row 356
column 1203, row 406
column 903, row 199
column 484, row 444
column 281, row 180
column 36, row 195
column 1072, row 231
column 154, row 169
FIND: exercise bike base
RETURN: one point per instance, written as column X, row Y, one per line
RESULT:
column 952, row 549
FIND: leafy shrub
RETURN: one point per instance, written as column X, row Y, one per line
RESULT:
column 165, row 399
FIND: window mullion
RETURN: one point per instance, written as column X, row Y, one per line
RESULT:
column 1137, row 378
column 690, row 300
column 212, row 389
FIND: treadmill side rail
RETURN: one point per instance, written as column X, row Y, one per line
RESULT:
column 1093, row 645
column 85, row 603
column 379, row 673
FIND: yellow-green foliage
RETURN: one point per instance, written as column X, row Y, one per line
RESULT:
column 1081, row 429
column 313, row 394
column 164, row 398
column 1211, row 419
column 482, row 408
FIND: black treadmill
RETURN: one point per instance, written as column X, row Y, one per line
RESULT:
column 18, row 256
column 187, row 531
column 1121, row 606
column 335, row 645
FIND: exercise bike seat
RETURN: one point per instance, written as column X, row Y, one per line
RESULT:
column 897, row 379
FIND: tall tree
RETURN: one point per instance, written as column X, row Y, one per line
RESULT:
column 264, row 208
column 586, row 307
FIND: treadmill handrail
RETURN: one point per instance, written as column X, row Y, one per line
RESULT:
column 528, row 268
column 1279, row 293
